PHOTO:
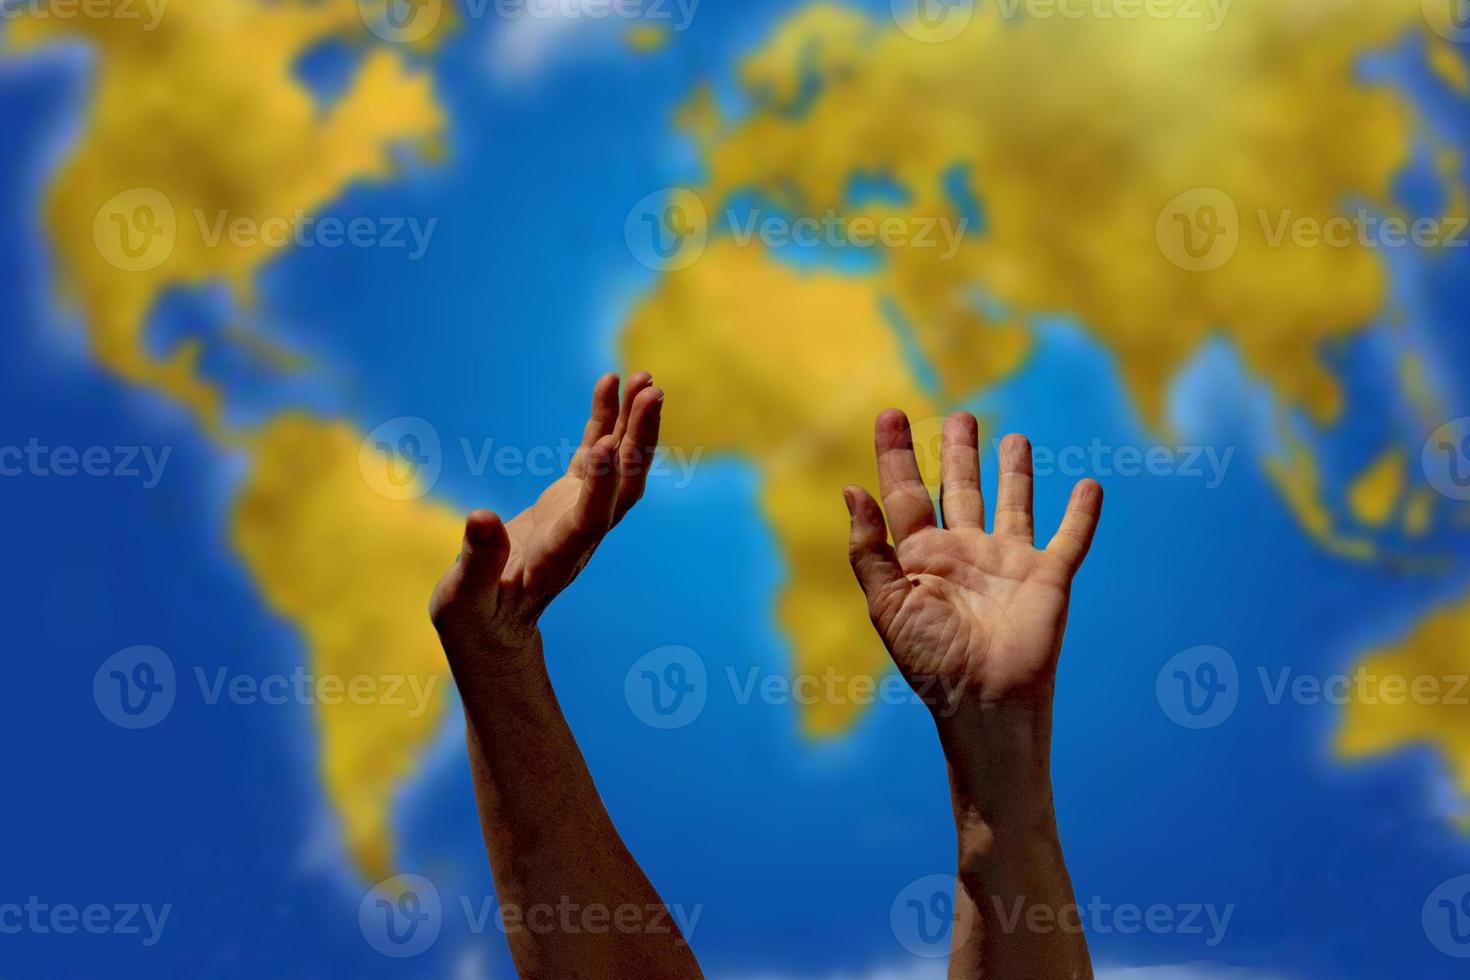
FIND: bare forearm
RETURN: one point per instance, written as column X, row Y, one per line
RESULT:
column 574, row 901
column 1016, row 914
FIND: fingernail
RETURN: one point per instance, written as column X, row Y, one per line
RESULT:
column 851, row 504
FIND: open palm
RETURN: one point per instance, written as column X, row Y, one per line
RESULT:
column 981, row 613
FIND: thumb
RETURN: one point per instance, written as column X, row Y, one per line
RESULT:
column 485, row 550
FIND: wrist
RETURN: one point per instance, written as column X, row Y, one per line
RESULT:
column 999, row 756
column 491, row 664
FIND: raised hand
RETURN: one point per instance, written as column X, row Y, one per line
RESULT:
column 981, row 614
column 550, row 839
column 487, row 604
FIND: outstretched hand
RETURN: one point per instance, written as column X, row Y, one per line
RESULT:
column 982, row 614
column 488, row 602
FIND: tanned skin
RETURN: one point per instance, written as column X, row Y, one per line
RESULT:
column 574, row 901
column 980, row 615
column 977, row 616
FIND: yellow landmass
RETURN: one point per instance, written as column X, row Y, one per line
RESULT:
column 1449, row 65
column 699, row 117
column 1419, row 514
column 352, row 570
column 1076, row 134
column 787, row 370
column 647, row 38
column 199, row 119
column 193, row 126
column 1298, row 478
column 1437, row 653
column 1090, row 145
column 1374, row 496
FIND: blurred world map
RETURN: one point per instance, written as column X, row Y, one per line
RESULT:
column 314, row 278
